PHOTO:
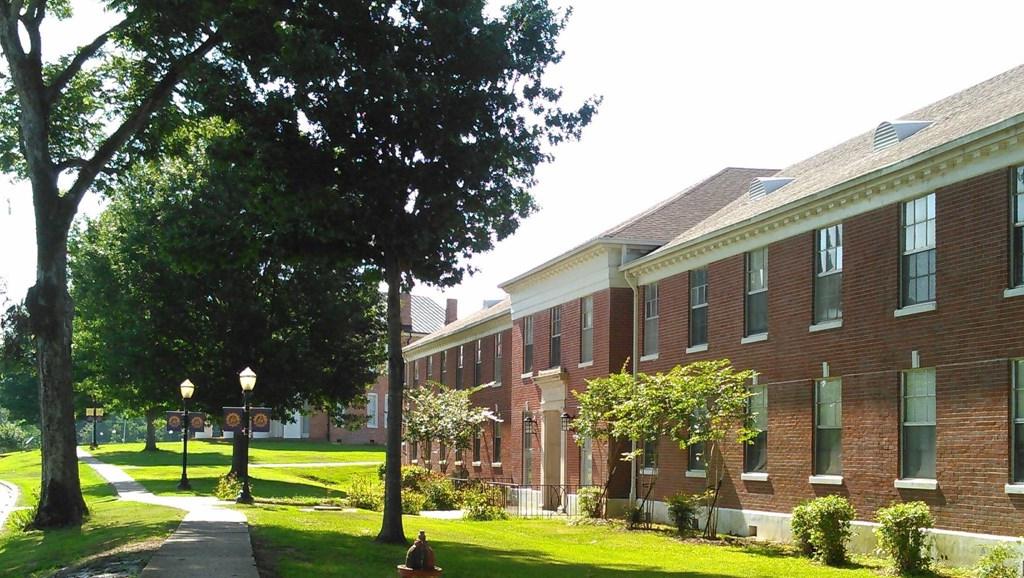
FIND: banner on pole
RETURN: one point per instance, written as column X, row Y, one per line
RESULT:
column 196, row 421
column 233, row 417
column 173, row 421
column 260, row 417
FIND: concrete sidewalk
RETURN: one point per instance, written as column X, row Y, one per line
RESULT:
column 8, row 498
column 211, row 541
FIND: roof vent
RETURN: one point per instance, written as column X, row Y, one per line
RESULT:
column 763, row 186
column 889, row 133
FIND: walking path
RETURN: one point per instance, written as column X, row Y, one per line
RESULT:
column 211, row 540
column 316, row 465
column 8, row 498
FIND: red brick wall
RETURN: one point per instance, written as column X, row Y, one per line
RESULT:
column 968, row 339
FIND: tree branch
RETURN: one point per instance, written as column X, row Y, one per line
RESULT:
column 84, row 54
column 133, row 124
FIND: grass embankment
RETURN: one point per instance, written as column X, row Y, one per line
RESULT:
column 159, row 472
column 294, row 543
column 112, row 525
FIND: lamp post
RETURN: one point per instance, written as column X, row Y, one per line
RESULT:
column 566, row 422
column 248, row 381
column 187, row 389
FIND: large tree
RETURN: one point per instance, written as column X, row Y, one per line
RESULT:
column 426, row 122
column 177, row 278
column 66, row 123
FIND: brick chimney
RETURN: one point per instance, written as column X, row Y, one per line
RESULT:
column 451, row 311
column 406, row 308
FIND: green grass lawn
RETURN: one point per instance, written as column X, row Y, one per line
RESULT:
column 218, row 452
column 111, row 525
column 294, row 543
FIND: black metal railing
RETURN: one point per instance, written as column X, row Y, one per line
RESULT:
column 539, row 500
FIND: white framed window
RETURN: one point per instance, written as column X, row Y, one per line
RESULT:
column 755, row 455
column 416, row 372
column 698, row 307
column 1018, row 421
column 476, row 447
column 828, row 274
column 387, row 396
column 528, row 344
column 444, row 367
column 587, row 462
column 651, row 313
column 496, row 440
column 917, row 265
column 478, row 362
column 459, row 368
column 555, row 343
column 650, row 454
column 756, row 303
column 587, row 329
column 695, row 458
column 497, row 358
column 918, row 431
column 1017, row 228
column 430, row 367
column 371, row 410
column 828, row 427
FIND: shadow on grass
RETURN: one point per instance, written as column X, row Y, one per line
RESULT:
column 163, row 458
column 289, row 552
column 204, row 485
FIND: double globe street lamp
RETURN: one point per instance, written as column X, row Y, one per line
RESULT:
column 248, row 381
column 187, row 389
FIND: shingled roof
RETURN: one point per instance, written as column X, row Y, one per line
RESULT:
column 501, row 308
column 425, row 314
column 978, row 107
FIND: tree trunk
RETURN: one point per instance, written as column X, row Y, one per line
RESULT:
column 391, row 531
column 51, row 313
column 239, row 449
column 151, row 415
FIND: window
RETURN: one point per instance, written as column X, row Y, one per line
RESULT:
column 828, row 274
column 698, row 307
column 478, row 363
column 650, row 454
column 527, row 458
column 416, row 372
column 496, row 438
column 458, row 456
column 755, row 457
column 695, row 458
column 458, row 369
column 918, row 424
column 497, row 359
column 1018, row 421
column 430, row 367
column 587, row 329
column 414, row 450
column 1017, row 228
column 828, row 427
column 651, row 307
column 387, row 396
column 587, row 462
column 756, row 306
column 917, row 268
column 444, row 366
column 528, row 344
column 371, row 410
column 555, row 353
column 442, row 452
column 476, row 446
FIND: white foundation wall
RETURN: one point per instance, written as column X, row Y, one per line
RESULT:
column 949, row 547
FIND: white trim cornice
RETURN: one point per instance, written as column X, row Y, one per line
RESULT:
column 993, row 148
column 468, row 334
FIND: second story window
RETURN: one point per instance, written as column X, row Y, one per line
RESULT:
column 828, row 274
column 460, row 366
column 444, row 367
column 528, row 344
column 497, row 358
column 587, row 329
column 555, row 354
column 698, row 307
column 478, row 363
column 756, row 305
column 917, row 267
column 651, row 313
column 1017, row 228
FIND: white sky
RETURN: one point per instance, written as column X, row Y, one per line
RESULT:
column 692, row 87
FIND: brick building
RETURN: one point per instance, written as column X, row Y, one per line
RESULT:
column 875, row 288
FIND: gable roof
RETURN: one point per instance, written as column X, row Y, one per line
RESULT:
column 425, row 314
column 477, row 318
column 984, row 105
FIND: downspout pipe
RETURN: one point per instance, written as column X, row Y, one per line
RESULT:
column 631, row 281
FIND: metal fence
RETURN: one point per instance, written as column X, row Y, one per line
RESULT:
column 539, row 500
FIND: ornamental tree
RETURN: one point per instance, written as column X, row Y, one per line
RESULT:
column 439, row 413
column 700, row 404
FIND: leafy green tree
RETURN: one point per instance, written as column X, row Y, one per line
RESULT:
column 65, row 126
column 19, row 387
column 176, row 279
column 422, row 125
column 702, row 403
column 438, row 412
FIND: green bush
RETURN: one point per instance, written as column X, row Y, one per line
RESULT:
column 901, row 535
column 588, row 501
column 441, row 494
column 821, row 528
column 412, row 502
column 415, row 477
column 381, row 469
column 228, row 487
column 17, row 436
column 482, row 502
column 367, row 493
column 682, row 508
column 996, row 563
column 637, row 516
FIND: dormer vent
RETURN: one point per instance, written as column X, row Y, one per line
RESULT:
column 764, row 186
column 889, row 133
